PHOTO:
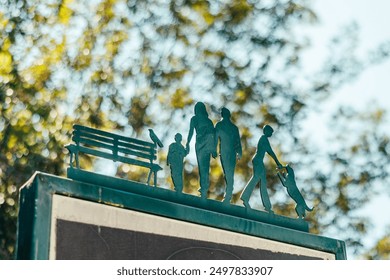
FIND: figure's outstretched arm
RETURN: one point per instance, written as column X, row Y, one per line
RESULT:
column 169, row 156
column 272, row 154
column 282, row 179
column 216, row 137
column 238, row 144
column 190, row 133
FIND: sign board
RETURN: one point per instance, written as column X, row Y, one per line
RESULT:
column 69, row 219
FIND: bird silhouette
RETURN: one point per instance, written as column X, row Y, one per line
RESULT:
column 154, row 138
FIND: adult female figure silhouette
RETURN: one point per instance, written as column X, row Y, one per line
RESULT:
column 204, row 144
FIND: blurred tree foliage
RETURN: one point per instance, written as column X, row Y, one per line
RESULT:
column 128, row 65
column 381, row 250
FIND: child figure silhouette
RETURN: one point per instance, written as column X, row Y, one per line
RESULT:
column 176, row 154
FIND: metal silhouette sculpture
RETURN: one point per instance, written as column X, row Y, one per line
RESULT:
column 176, row 154
column 114, row 147
column 228, row 136
column 224, row 137
column 259, row 175
column 155, row 139
column 204, row 144
column 288, row 180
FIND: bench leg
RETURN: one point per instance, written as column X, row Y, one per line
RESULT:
column 150, row 174
column 155, row 178
column 77, row 160
column 71, row 160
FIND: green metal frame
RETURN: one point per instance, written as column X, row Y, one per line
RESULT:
column 36, row 202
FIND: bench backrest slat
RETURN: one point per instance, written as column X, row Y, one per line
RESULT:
column 112, row 135
column 81, row 135
column 93, row 138
column 90, row 142
column 137, row 147
column 120, row 158
column 137, row 154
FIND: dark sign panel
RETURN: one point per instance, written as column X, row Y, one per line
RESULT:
column 108, row 232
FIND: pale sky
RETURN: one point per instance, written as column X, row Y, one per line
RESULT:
column 372, row 16
column 371, row 87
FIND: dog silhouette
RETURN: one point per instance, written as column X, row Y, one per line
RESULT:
column 288, row 181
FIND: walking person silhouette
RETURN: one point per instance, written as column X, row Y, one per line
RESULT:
column 204, row 144
column 228, row 136
column 259, row 174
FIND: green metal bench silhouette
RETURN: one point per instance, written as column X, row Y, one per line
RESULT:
column 114, row 147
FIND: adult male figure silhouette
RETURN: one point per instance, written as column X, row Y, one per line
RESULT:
column 204, row 144
column 228, row 136
column 259, row 174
